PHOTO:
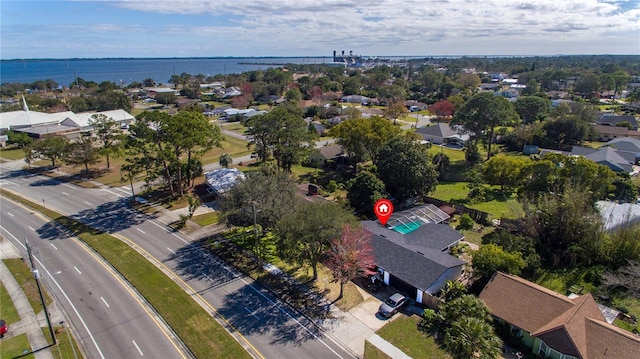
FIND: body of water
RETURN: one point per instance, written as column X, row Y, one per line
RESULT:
column 125, row 71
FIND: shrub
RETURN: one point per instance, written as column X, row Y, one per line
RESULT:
column 466, row 223
column 332, row 186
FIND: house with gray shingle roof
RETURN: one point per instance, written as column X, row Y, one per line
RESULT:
column 554, row 325
column 442, row 133
column 614, row 120
column 609, row 157
column 628, row 147
column 416, row 262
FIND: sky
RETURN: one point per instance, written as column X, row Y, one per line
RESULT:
column 290, row 28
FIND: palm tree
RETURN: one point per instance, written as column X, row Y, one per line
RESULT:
column 470, row 337
column 225, row 160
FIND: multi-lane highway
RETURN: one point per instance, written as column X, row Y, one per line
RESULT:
column 263, row 322
column 108, row 317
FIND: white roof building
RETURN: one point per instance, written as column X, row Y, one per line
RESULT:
column 15, row 120
column 223, row 179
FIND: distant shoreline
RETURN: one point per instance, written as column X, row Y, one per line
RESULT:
column 301, row 57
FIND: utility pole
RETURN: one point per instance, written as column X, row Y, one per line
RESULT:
column 255, row 230
column 36, row 276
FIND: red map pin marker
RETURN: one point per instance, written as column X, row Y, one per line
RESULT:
column 383, row 210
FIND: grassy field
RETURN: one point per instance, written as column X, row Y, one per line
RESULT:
column 205, row 219
column 453, row 154
column 372, row 352
column 66, row 346
column 498, row 207
column 11, row 154
column 15, row 347
column 404, row 334
column 199, row 330
column 8, row 311
column 24, row 277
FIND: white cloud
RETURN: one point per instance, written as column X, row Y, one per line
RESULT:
column 382, row 27
column 442, row 20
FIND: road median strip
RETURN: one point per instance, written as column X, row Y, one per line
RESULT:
column 196, row 327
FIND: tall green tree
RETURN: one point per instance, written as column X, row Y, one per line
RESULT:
column 362, row 138
column 483, row 113
column 169, row 146
column 82, row 151
column 187, row 135
column 19, row 139
column 272, row 195
column 566, row 226
column 108, row 133
column 491, row 258
column 51, row 148
column 281, row 133
column 406, row 169
column 503, row 171
column 305, row 235
column 364, row 190
column 532, row 108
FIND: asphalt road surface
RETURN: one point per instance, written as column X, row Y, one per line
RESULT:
column 260, row 320
column 109, row 319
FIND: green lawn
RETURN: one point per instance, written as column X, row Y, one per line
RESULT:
column 8, row 311
column 372, row 352
column 206, row 218
column 199, row 330
column 14, row 347
column 498, row 207
column 404, row 334
column 453, row 154
column 24, row 277
column 11, row 154
column 66, row 346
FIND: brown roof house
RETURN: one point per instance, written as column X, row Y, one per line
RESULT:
column 554, row 325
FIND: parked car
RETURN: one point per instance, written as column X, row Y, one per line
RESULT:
column 3, row 328
column 392, row 305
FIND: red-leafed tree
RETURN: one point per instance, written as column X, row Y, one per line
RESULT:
column 443, row 108
column 350, row 255
column 316, row 93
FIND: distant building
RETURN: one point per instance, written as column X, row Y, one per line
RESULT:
column 40, row 124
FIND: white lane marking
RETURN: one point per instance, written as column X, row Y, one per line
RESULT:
column 11, row 214
column 252, row 313
column 137, row 347
column 171, row 250
column 88, row 203
column 105, row 302
column 113, row 193
column 140, row 230
column 31, row 228
column 54, row 247
column 75, row 310
column 273, row 303
column 68, row 185
column 65, row 193
column 77, row 270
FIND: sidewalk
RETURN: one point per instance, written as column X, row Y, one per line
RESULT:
column 29, row 323
column 359, row 324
